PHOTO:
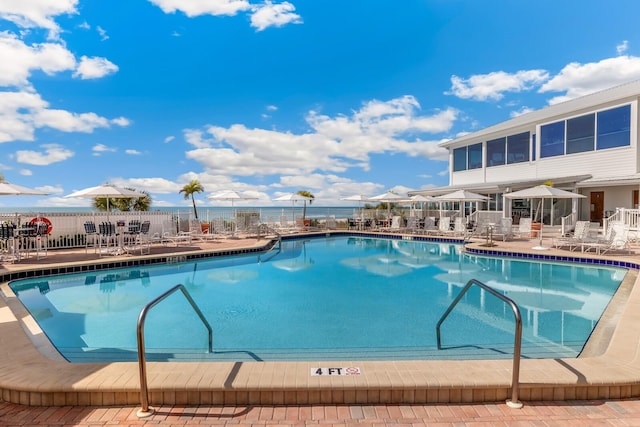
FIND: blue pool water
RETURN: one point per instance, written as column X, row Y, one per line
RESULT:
column 337, row 298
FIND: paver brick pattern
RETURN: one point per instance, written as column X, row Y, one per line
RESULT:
column 567, row 413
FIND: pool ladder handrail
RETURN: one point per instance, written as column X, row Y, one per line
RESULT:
column 277, row 245
column 517, row 345
column 145, row 410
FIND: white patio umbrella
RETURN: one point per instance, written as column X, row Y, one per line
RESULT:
column 542, row 192
column 461, row 196
column 388, row 198
column 106, row 191
column 293, row 198
column 357, row 198
column 231, row 195
column 8, row 189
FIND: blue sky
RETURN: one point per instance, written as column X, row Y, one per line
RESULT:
column 266, row 98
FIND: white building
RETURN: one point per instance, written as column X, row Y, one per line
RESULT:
column 588, row 145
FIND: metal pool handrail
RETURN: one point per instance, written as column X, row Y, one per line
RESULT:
column 145, row 411
column 517, row 345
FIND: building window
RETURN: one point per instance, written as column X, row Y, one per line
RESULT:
column 518, row 148
column 496, row 152
column 614, row 127
column 460, row 159
column 581, row 134
column 552, row 139
column 475, row 156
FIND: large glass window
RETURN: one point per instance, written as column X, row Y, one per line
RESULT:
column 459, row 159
column 475, row 156
column 518, row 148
column 552, row 139
column 496, row 152
column 581, row 134
column 614, row 127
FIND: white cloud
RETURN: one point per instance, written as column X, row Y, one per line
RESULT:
column 193, row 8
column 94, row 68
column 53, row 153
column 622, row 48
column 493, row 85
column 98, row 149
column 274, row 15
column 18, row 60
column 333, row 144
column 577, row 79
column 103, row 33
column 133, row 152
column 37, row 13
column 169, row 139
column 25, row 172
column 21, row 113
column 521, row 111
column 121, row 121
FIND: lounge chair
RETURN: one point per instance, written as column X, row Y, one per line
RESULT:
column 616, row 239
column 444, row 225
column 395, row 226
column 523, row 230
column 196, row 231
column 170, row 234
column 504, row 229
column 580, row 234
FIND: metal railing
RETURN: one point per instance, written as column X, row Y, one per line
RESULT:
column 276, row 248
column 142, row 363
column 517, row 345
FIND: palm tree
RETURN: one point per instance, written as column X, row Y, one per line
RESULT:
column 189, row 189
column 124, row 204
column 310, row 196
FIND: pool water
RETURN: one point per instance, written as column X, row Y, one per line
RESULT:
column 334, row 298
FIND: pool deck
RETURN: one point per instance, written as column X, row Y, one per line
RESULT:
column 32, row 374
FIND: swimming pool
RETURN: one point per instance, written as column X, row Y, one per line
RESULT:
column 336, row 298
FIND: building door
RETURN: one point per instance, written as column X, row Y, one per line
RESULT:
column 634, row 204
column 597, row 206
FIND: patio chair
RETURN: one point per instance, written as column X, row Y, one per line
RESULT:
column 504, row 229
column 90, row 236
column 107, row 238
column 140, row 241
column 195, row 228
column 523, row 230
column 616, row 239
column 580, row 234
column 171, row 235
column 395, row 226
column 444, row 225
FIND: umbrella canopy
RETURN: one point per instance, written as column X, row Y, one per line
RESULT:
column 8, row 189
column 293, row 198
column 389, row 197
column 542, row 192
column 357, row 198
column 231, row 195
column 106, row 191
column 462, row 196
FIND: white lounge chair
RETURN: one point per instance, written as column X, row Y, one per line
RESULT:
column 524, row 229
column 196, row 231
column 170, row 234
column 580, row 234
column 616, row 239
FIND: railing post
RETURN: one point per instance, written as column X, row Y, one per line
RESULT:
column 517, row 345
column 145, row 410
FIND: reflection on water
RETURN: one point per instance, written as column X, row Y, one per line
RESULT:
column 350, row 296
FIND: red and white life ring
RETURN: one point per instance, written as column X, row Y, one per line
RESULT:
column 34, row 223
